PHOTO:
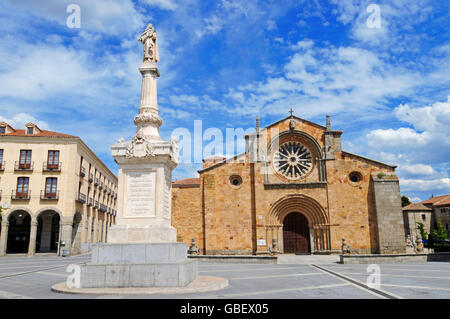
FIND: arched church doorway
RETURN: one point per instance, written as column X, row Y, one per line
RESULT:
column 308, row 231
column 18, row 232
column 47, row 236
column 296, row 238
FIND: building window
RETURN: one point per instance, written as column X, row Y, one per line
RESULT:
column 423, row 217
column 2, row 130
column 442, row 210
column 22, row 186
column 235, row 180
column 1, row 157
column 30, row 130
column 50, row 186
column 53, row 159
column 25, row 159
column 355, row 177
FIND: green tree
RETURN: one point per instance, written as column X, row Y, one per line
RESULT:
column 405, row 201
column 421, row 229
column 440, row 234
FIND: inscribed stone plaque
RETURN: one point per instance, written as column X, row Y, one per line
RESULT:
column 166, row 199
column 140, row 194
column 261, row 242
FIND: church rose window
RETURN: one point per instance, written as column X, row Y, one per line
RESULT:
column 293, row 160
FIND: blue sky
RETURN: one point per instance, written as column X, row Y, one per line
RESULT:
column 226, row 62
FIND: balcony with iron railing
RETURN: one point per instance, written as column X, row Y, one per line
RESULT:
column 106, row 189
column 101, row 185
column 49, row 196
column 80, row 198
column 90, row 202
column 16, row 195
column 103, row 208
column 96, row 182
column 82, row 172
column 51, row 167
column 96, row 204
column 18, row 166
column 91, row 178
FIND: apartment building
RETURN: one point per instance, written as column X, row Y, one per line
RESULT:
column 56, row 195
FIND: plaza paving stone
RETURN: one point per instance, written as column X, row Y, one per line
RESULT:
column 32, row 277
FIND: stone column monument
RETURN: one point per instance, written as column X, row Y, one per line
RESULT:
column 141, row 249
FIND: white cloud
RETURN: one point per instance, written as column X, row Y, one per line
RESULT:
column 403, row 137
column 425, row 185
column 427, row 140
column 417, row 169
column 271, row 25
column 185, row 100
column 415, row 200
column 354, row 79
column 18, row 121
column 111, row 17
column 211, row 25
column 303, row 44
column 163, row 4
column 42, row 70
column 435, row 118
column 398, row 19
column 422, row 152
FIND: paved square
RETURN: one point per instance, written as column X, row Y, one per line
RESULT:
column 32, row 277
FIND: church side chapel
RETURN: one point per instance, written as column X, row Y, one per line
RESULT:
column 294, row 190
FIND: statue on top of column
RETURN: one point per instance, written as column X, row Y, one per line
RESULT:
column 149, row 41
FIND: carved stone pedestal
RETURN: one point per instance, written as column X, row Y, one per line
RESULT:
column 138, row 265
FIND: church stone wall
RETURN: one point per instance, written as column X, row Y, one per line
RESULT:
column 187, row 214
column 390, row 224
column 352, row 210
column 228, row 210
column 228, row 219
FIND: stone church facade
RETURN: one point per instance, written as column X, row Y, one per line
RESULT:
column 294, row 190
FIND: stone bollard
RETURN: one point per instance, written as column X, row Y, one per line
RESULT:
column 273, row 249
column 346, row 249
column 419, row 245
column 193, row 249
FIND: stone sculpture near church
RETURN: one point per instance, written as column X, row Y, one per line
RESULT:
column 142, row 248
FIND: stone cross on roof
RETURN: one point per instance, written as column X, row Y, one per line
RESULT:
column 291, row 111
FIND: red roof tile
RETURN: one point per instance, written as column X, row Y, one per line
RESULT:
column 214, row 158
column 436, row 200
column 42, row 133
column 444, row 202
column 416, row 207
column 187, row 182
